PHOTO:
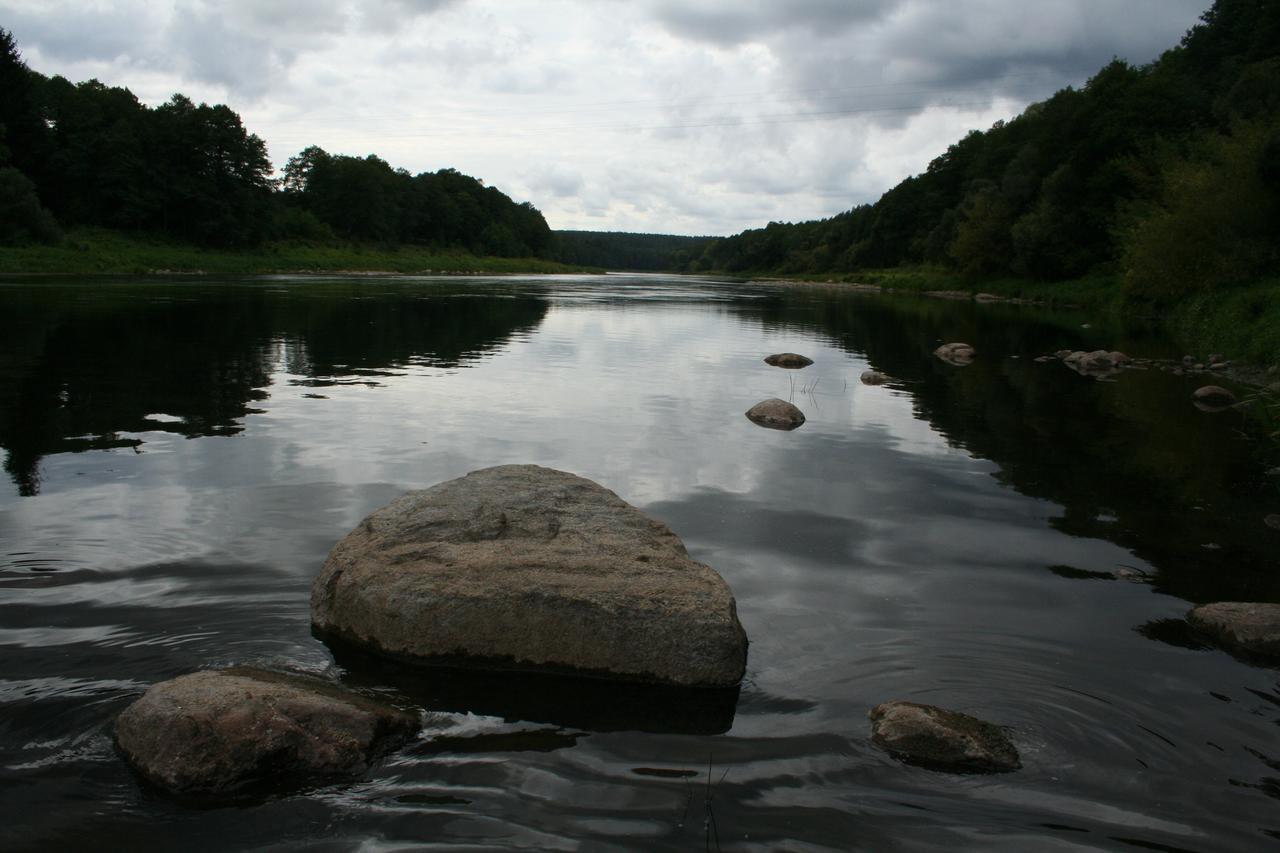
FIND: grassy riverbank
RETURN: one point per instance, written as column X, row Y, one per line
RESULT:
column 1241, row 322
column 101, row 252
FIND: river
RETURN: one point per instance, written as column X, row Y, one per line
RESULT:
column 1009, row 539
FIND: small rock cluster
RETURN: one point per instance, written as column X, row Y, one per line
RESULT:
column 784, row 415
column 775, row 413
column 1101, row 364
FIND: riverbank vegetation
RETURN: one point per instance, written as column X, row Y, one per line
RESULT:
column 99, row 251
column 186, row 177
column 1153, row 189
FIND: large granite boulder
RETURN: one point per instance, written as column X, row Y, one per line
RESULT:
column 526, row 567
column 775, row 414
column 220, row 733
column 940, row 739
column 789, row 360
column 1243, row 626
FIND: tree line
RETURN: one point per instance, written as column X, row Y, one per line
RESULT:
column 1166, row 175
column 622, row 250
column 89, row 154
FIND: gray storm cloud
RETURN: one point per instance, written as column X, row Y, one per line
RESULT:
column 682, row 116
column 752, row 20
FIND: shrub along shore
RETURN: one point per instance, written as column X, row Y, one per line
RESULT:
column 105, row 252
column 1242, row 322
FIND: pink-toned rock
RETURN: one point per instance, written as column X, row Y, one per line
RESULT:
column 1245, row 626
column 219, row 732
column 1213, row 398
column 955, row 353
column 775, row 414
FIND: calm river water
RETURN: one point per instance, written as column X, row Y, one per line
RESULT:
column 1008, row 539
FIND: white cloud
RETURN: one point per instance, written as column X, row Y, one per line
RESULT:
column 697, row 116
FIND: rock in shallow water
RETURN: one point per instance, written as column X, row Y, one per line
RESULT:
column 1245, row 626
column 873, row 377
column 941, row 739
column 957, row 354
column 1213, row 398
column 775, row 414
column 528, row 567
column 789, row 360
column 220, row 733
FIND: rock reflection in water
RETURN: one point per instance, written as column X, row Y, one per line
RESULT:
column 569, row 702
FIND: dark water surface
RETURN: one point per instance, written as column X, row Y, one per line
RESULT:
column 1008, row 539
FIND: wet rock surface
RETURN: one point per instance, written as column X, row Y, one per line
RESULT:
column 873, row 377
column 226, row 733
column 958, row 354
column 775, row 414
column 526, row 567
column 789, row 360
column 941, row 739
column 1213, row 398
column 1243, row 626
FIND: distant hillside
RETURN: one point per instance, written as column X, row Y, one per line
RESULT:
column 1164, row 177
column 618, row 250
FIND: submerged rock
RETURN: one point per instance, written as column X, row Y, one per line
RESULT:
column 526, row 567
column 1242, row 626
column 789, row 360
column 873, row 377
column 955, row 353
column 775, row 414
column 1095, row 363
column 1213, row 398
column 941, row 739
column 221, row 732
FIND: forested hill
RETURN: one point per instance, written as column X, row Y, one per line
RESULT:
column 89, row 154
column 1166, row 176
column 619, row 250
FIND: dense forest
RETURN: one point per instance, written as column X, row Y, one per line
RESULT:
column 620, row 250
column 88, row 154
column 1166, row 176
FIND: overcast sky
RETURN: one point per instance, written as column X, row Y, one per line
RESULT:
column 674, row 116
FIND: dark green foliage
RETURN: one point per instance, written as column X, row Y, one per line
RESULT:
column 366, row 199
column 23, row 132
column 22, row 218
column 94, row 156
column 1170, row 168
column 620, row 250
column 1216, row 221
